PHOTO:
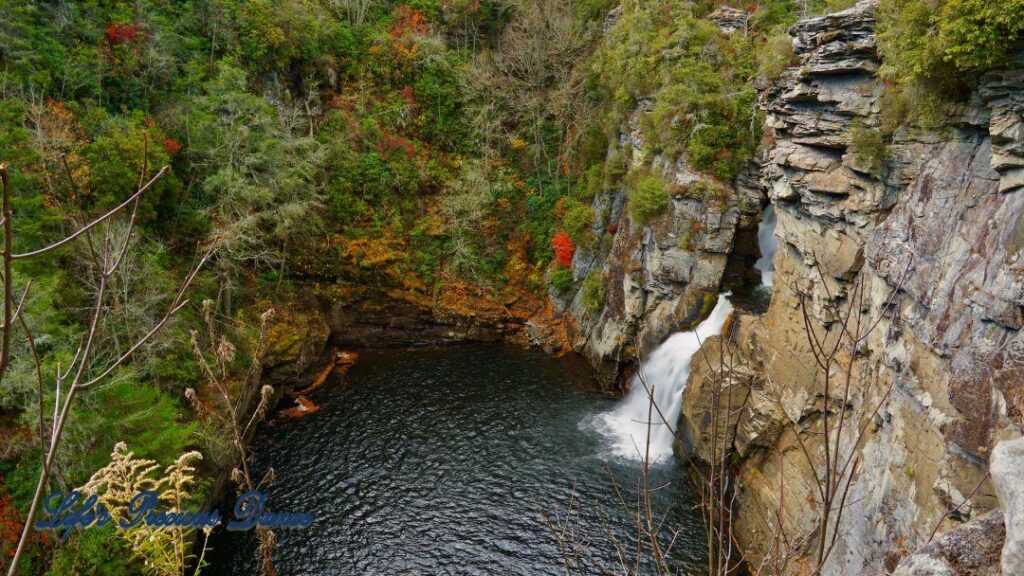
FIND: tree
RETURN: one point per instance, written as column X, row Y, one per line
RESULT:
column 464, row 206
column 86, row 369
column 354, row 10
column 261, row 183
column 533, row 83
column 647, row 199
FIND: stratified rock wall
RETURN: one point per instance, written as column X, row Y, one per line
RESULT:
column 939, row 228
column 658, row 277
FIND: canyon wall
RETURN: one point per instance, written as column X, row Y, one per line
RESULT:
column 924, row 244
column 661, row 276
column 658, row 278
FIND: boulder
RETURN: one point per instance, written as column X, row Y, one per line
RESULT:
column 971, row 549
column 1007, row 468
column 729, row 20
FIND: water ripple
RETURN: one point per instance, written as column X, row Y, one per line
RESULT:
column 443, row 462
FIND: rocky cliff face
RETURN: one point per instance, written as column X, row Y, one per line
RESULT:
column 657, row 278
column 933, row 236
column 660, row 277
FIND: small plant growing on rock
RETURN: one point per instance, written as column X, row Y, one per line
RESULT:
column 698, row 189
column 868, row 147
column 648, row 198
column 690, row 235
column 592, row 297
column 577, row 218
column 776, row 56
column 564, row 248
column 561, row 279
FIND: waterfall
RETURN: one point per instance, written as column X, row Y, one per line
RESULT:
column 666, row 369
column 766, row 242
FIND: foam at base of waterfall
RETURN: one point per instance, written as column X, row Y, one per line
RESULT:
column 666, row 371
column 767, row 243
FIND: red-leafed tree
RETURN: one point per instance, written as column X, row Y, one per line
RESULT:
column 564, row 248
column 171, row 146
column 122, row 33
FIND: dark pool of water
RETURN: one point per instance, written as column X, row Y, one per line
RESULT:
column 750, row 297
column 444, row 462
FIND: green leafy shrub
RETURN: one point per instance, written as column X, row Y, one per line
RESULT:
column 980, row 34
column 125, row 408
column 615, row 170
column 648, row 198
column 577, row 219
column 699, row 79
column 115, row 161
column 932, row 49
column 909, row 43
column 95, row 552
column 594, row 180
column 902, row 104
column 561, row 279
column 775, row 56
column 868, row 147
column 592, row 295
column 698, row 190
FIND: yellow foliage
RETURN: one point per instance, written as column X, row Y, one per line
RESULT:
column 374, row 252
column 166, row 551
column 516, row 270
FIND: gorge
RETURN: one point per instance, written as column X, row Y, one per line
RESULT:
column 516, row 286
column 930, row 272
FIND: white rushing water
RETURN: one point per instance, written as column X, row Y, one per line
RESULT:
column 665, row 370
column 767, row 243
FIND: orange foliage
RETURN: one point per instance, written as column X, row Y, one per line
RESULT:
column 61, row 134
column 408, row 24
column 559, row 208
column 373, row 252
column 171, row 145
column 519, row 244
column 339, row 102
column 564, row 248
column 121, row 33
column 11, row 524
column 408, row 21
column 408, row 95
column 391, row 144
column 489, row 227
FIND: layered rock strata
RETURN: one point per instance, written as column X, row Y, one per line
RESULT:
column 660, row 277
column 921, row 241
